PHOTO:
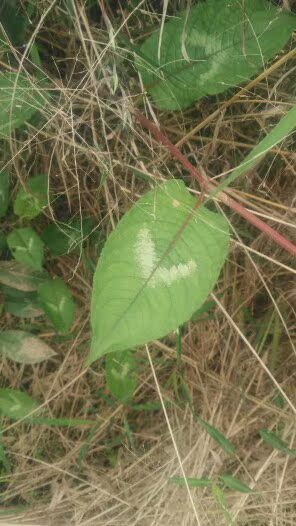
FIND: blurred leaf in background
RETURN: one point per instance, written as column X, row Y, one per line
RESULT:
column 29, row 202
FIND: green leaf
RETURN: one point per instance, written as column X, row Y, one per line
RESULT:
column 3, row 457
column 58, row 304
column 62, row 239
column 28, row 204
column 4, row 192
column 15, row 275
column 16, row 404
column 14, row 23
column 233, row 483
column 23, row 347
column 280, row 132
column 223, row 442
column 19, row 100
column 156, row 269
column 3, row 243
column 121, row 375
column 216, row 48
column 22, row 304
column 26, row 247
column 192, row 482
column 220, row 498
column 276, row 442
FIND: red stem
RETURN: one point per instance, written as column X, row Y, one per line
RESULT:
column 208, row 186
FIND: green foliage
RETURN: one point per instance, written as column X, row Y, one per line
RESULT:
column 273, row 440
column 29, row 203
column 58, row 304
column 233, row 483
column 156, row 269
column 20, row 277
column 121, row 375
column 278, row 133
column 207, row 53
column 26, row 247
column 19, row 100
column 220, row 498
column 223, row 442
column 22, row 304
column 4, row 462
column 62, row 239
column 3, row 243
column 4, row 192
column 13, row 22
column 16, row 404
column 23, row 347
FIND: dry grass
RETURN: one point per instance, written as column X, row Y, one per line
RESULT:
column 99, row 162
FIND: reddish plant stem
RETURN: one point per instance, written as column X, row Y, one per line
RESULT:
column 206, row 185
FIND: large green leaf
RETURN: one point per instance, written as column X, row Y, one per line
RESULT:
column 26, row 247
column 20, row 277
column 4, row 192
column 156, row 269
column 16, row 404
column 58, row 304
column 23, row 347
column 19, row 100
column 216, row 47
column 29, row 203
column 121, row 375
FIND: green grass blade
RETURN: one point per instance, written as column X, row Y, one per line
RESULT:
column 61, row 422
column 276, row 442
column 280, row 132
column 214, row 433
column 233, row 483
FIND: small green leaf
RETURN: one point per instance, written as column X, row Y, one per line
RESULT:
column 28, row 204
column 15, row 275
column 26, row 247
column 62, row 239
column 22, row 304
column 205, row 54
column 58, row 304
column 192, row 482
column 4, row 192
column 20, row 98
column 157, row 267
column 23, row 347
column 233, row 483
column 121, row 375
column 223, row 442
column 16, row 404
column 150, row 406
column 276, row 442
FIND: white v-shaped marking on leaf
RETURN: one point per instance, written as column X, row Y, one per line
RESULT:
column 147, row 259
